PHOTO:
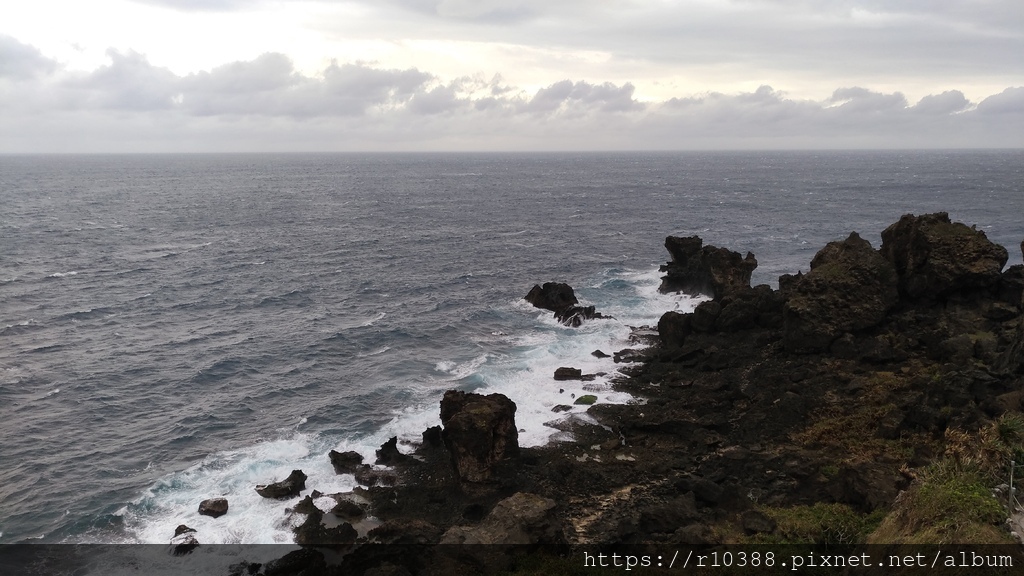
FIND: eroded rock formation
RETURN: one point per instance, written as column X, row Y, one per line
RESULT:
column 290, row 487
column 479, row 432
column 708, row 270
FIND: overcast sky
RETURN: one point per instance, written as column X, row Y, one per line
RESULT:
column 312, row 75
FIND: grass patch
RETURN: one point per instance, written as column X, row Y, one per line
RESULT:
column 952, row 501
column 950, row 504
column 849, row 427
column 819, row 523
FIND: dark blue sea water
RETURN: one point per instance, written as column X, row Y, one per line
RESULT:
column 174, row 328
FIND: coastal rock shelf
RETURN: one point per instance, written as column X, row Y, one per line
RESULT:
column 876, row 381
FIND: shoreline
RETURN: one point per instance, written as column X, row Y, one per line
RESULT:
column 829, row 411
column 771, row 414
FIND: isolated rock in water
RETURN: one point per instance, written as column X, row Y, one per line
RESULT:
column 554, row 296
column 565, row 373
column 184, row 541
column 698, row 269
column 599, row 354
column 519, row 519
column 215, row 507
column 479, row 432
column 850, row 287
column 935, row 257
column 183, row 529
column 290, row 487
column 575, row 315
column 345, row 462
column 560, row 299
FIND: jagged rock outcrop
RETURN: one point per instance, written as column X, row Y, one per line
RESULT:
column 290, row 487
column 698, row 269
column 345, row 462
column 215, row 507
column 479, row 432
column 561, row 299
column 737, row 434
column 388, row 454
column 850, row 287
column 517, row 520
column 313, row 531
column 935, row 257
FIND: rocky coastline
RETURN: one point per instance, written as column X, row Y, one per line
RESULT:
column 875, row 399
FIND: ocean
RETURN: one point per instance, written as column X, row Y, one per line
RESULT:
column 180, row 327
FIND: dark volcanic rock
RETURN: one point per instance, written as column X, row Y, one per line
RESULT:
column 313, row 532
column 183, row 529
column 389, row 455
column 367, row 476
column 599, row 354
column 215, row 507
column 302, row 562
column 554, row 296
column 698, row 269
column 432, row 437
column 560, row 299
column 674, row 327
column 479, row 431
column 348, row 510
column 850, row 287
column 287, row 488
column 345, row 462
column 519, row 519
column 566, row 373
column 935, row 257
column 184, row 540
column 575, row 315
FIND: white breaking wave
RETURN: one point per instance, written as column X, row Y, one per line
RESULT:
column 525, row 374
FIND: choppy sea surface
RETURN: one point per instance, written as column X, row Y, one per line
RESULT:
column 174, row 328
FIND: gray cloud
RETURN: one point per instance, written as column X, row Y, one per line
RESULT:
column 20, row 61
column 129, row 82
column 858, row 41
column 605, row 97
column 948, row 102
column 1009, row 101
column 264, row 103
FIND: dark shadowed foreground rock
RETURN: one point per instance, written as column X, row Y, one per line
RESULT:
column 479, row 432
column 215, row 507
column 698, row 269
column 850, row 287
column 290, row 487
column 519, row 519
column 935, row 257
